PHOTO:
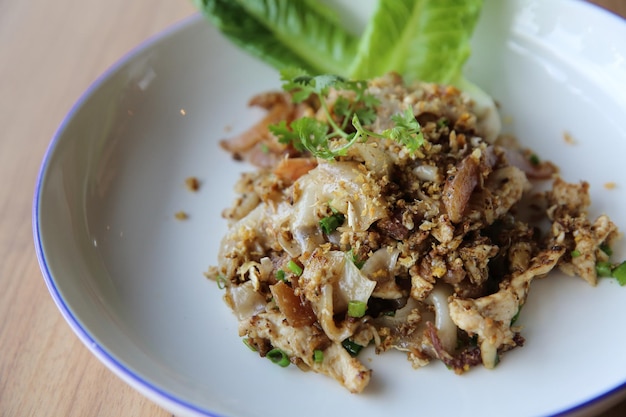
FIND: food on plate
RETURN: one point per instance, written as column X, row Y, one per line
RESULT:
column 387, row 209
column 414, row 236
column 192, row 184
column 181, row 215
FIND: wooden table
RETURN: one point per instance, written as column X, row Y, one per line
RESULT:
column 50, row 51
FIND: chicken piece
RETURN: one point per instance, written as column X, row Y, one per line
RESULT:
column 588, row 242
column 567, row 200
column 571, row 227
column 302, row 342
column 476, row 256
column 490, row 317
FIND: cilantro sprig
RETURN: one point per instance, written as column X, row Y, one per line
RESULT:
column 328, row 137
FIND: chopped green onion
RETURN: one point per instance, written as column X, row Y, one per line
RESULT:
column 221, row 282
column 516, row 316
column 352, row 348
column 575, row 253
column 279, row 357
column 280, row 275
column 247, row 342
column 331, row 223
column 294, row 267
column 318, row 356
column 619, row 273
column 606, row 249
column 534, row 159
column 604, row 269
column 355, row 260
column 356, row 308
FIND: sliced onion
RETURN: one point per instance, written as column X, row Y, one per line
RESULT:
column 244, row 300
column 382, row 259
column 353, row 285
column 379, row 267
column 446, row 329
column 427, row 173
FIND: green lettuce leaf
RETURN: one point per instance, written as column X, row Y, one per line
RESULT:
column 426, row 40
column 420, row 39
column 285, row 33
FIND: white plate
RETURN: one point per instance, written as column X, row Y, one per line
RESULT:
column 128, row 277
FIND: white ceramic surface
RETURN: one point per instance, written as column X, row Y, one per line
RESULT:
column 128, row 277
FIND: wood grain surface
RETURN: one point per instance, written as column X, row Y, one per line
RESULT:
column 50, row 51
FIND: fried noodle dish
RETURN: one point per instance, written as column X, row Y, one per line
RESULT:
column 392, row 215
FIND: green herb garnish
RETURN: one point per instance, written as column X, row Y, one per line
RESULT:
column 280, row 275
column 534, row 159
column 331, row 223
column 249, row 345
column 407, row 130
column 355, row 259
column 353, row 348
column 604, row 269
column 294, row 267
column 221, row 282
column 318, row 356
column 516, row 316
column 356, row 308
column 279, row 357
column 606, row 249
column 619, row 273
column 330, row 138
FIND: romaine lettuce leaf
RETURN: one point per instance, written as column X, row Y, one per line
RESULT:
column 420, row 39
column 285, row 33
column 426, row 40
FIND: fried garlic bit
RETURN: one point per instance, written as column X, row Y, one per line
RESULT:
column 192, row 183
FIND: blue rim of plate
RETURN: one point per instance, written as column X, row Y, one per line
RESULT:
column 111, row 361
column 116, row 365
